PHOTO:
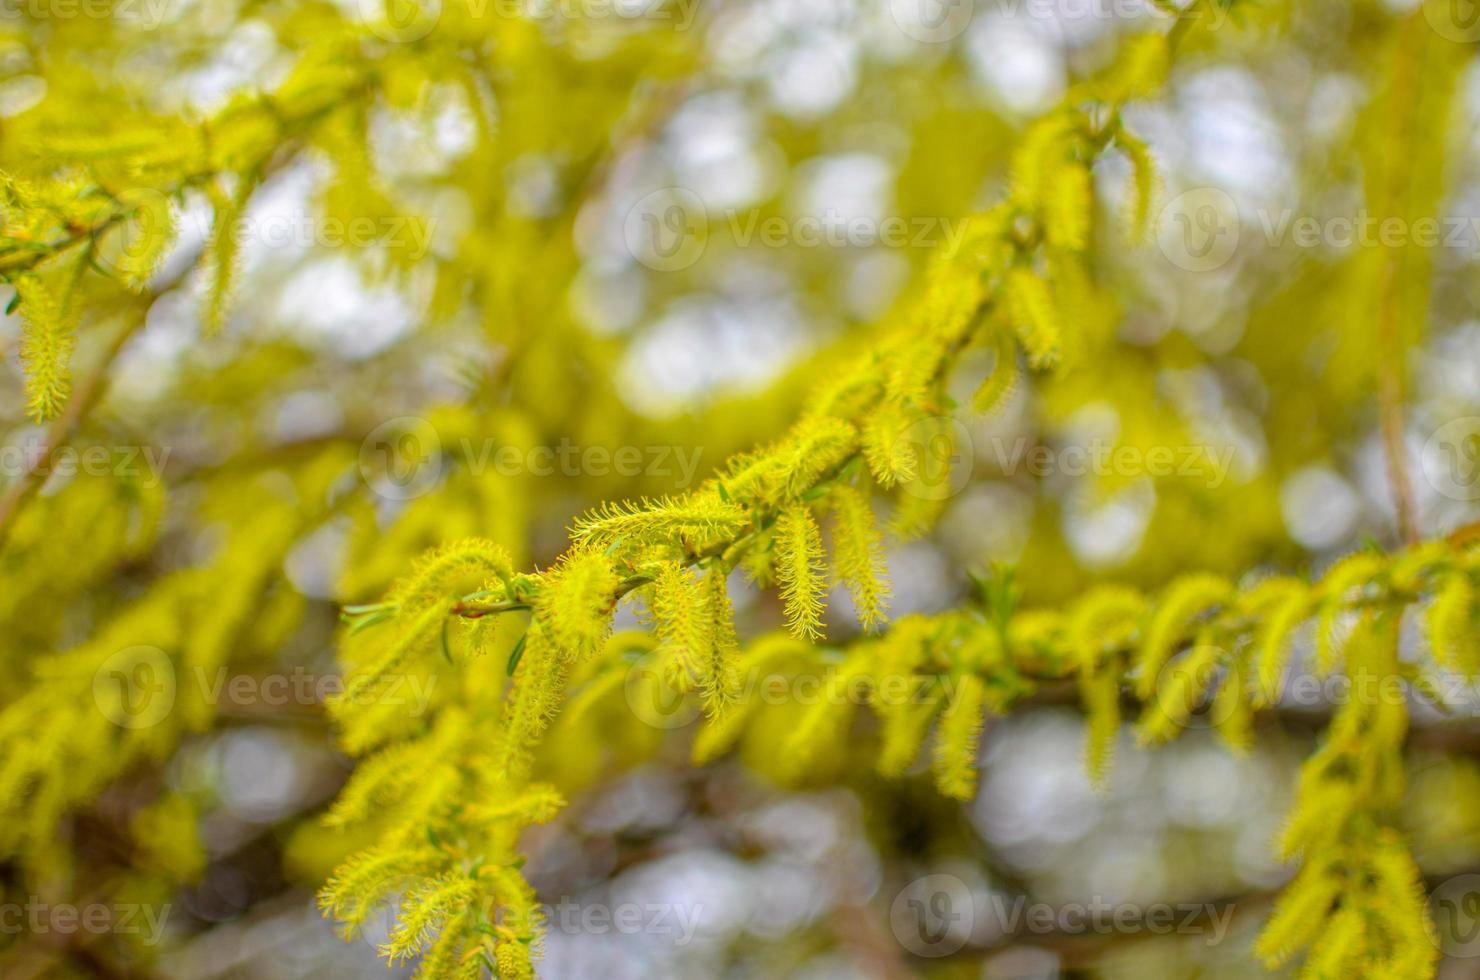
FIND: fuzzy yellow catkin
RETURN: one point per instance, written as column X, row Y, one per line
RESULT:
column 959, row 737
column 1100, row 693
column 1143, row 182
column 799, row 568
column 539, row 682
column 1185, row 599
column 577, row 602
column 1068, row 205
column 1272, row 639
column 997, row 388
column 858, row 558
column 683, row 619
column 46, row 348
column 1354, row 572
column 223, row 256
column 423, row 911
column 1450, row 620
column 720, row 684
column 1298, row 915
column 1177, row 692
column 887, row 446
column 1035, row 317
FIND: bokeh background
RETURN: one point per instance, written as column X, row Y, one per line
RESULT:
column 648, row 226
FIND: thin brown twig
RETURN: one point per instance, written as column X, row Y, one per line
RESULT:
column 62, row 428
column 1390, row 351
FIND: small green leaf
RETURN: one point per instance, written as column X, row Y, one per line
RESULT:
column 516, row 653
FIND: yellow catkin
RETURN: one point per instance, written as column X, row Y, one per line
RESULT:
column 1450, row 624
column 799, row 568
column 46, row 348
column 958, row 738
column 1185, row 599
column 1298, row 915
column 1068, row 206
column 997, row 388
column 1034, row 316
column 858, row 558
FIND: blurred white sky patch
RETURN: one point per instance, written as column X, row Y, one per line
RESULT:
column 20, row 93
column 718, row 151
column 1105, row 531
column 1318, row 506
column 1229, row 138
column 608, row 296
column 869, row 283
column 990, row 521
column 249, row 59
column 814, row 74
column 1019, row 65
column 423, row 143
column 264, row 773
column 705, row 344
column 842, row 188
column 329, row 304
